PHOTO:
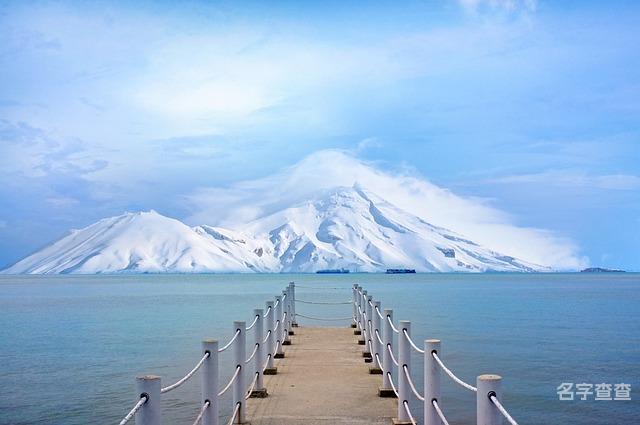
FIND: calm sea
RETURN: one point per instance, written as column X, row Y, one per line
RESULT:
column 70, row 346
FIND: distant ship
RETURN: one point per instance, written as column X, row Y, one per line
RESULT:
column 400, row 271
column 333, row 271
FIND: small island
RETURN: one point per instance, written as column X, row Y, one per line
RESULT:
column 600, row 270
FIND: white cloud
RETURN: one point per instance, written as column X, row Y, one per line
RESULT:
column 506, row 5
column 574, row 179
column 473, row 218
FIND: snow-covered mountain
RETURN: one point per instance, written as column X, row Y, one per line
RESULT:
column 348, row 228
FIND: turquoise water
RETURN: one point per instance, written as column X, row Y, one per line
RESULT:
column 70, row 346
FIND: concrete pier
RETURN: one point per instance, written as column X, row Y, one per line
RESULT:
column 323, row 380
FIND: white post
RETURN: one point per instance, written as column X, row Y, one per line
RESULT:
column 259, row 390
column 354, row 295
column 387, row 363
column 239, row 356
column 369, row 342
column 151, row 412
column 358, row 300
column 431, row 381
column 278, row 333
column 377, row 347
column 404, row 358
column 270, row 346
column 210, row 380
column 363, row 320
column 487, row 413
column 286, row 322
column 294, row 323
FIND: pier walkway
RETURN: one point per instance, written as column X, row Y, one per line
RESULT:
column 322, row 380
column 326, row 375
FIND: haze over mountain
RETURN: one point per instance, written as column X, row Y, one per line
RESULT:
column 344, row 227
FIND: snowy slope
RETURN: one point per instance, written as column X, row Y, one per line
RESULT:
column 355, row 229
column 134, row 242
column 348, row 228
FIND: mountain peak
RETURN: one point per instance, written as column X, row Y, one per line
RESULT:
column 342, row 227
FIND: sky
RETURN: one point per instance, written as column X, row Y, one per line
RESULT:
column 529, row 110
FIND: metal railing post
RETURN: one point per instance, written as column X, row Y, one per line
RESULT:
column 278, row 333
column 356, row 309
column 286, row 322
column 292, row 292
column 151, row 412
column 363, row 320
column 487, row 413
column 258, row 361
column 387, row 363
column 431, row 381
column 377, row 348
column 404, row 359
column 354, row 323
column 239, row 356
column 210, row 378
column 368, row 342
column 270, row 344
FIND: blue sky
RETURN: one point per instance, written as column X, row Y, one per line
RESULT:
column 531, row 106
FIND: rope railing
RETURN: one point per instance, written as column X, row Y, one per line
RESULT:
column 502, row 410
column 378, row 313
column 255, row 320
column 253, row 353
column 266, row 314
column 323, row 302
column 378, row 337
column 201, row 414
column 435, row 405
column 393, row 358
column 411, row 384
column 451, row 374
column 187, row 376
column 393, row 387
column 413, row 344
column 132, row 412
column 220, row 350
column 235, row 413
column 233, row 378
column 396, row 330
column 252, row 386
column 405, row 403
column 324, row 318
column 266, row 338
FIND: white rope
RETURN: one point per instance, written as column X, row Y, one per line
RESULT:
column 276, row 303
column 391, row 382
column 406, row 408
column 379, row 363
column 324, row 318
column 233, row 378
column 378, row 337
column 133, row 411
column 187, row 376
column 278, row 343
column 235, row 413
column 275, row 328
column 255, row 320
column 266, row 362
column 391, row 323
column 379, row 314
column 451, row 375
column 502, row 410
column 255, row 350
column 439, row 412
column 267, row 337
column 253, row 385
column 322, row 302
column 393, row 358
column 268, row 312
column 413, row 388
column 204, row 407
column 415, row 347
column 220, row 350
